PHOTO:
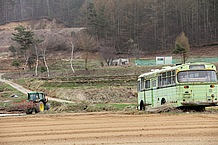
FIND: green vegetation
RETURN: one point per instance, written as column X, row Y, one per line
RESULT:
column 88, row 107
column 78, row 64
column 25, row 38
column 110, row 88
column 16, row 63
column 6, row 91
column 182, row 46
column 212, row 109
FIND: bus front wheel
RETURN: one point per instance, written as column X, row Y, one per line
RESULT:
column 142, row 105
column 163, row 101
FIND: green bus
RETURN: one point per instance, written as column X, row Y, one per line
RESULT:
column 190, row 85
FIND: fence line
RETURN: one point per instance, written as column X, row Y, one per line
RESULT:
column 145, row 62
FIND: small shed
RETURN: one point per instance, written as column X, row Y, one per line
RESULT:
column 120, row 61
column 163, row 60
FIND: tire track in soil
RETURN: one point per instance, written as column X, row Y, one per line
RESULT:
column 110, row 129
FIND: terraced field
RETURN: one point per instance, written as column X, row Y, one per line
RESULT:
column 110, row 128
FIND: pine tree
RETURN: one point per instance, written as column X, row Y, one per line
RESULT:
column 92, row 18
column 182, row 46
column 101, row 22
column 25, row 38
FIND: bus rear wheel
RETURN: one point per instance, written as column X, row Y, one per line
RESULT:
column 200, row 109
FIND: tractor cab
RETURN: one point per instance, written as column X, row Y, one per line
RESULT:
column 37, row 97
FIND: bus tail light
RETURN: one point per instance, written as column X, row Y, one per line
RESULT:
column 212, row 86
column 186, row 87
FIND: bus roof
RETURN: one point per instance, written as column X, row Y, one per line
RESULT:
column 35, row 92
column 180, row 67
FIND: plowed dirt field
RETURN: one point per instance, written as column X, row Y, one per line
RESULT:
column 110, row 128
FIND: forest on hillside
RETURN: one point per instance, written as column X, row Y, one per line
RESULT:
column 126, row 26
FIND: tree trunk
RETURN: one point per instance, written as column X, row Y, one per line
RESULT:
column 183, row 57
column 26, row 56
column 71, row 57
column 86, row 61
column 21, row 10
column 46, row 65
column 37, row 61
column 48, row 7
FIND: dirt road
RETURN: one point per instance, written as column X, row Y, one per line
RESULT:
column 25, row 91
column 109, row 128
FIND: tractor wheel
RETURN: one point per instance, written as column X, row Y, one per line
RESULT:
column 47, row 106
column 29, row 111
column 40, row 107
column 34, row 111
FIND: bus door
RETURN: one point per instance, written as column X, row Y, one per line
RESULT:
column 148, row 93
column 153, row 91
column 141, row 94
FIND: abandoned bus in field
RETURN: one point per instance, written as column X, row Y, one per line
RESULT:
column 183, row 86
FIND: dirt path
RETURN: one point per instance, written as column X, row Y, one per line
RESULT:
column 25, row 91
column 109, row 128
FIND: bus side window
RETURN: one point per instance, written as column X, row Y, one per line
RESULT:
column 154, row 84
column 138, row 86
column 164, row 79
column 169, row 78
column 147, row 84
column 159, row 81
column 173, row 77
column 142, row 84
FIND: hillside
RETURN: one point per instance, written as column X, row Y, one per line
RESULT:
column 151, row 25
column 60, row 47
column 42, row 29
column 98, row 84
column 42, row 26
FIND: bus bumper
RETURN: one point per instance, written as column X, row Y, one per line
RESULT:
column 192, row 103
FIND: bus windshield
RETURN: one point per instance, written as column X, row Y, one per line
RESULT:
column 197, row 76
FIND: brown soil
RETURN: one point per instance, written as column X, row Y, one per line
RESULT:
column 33, row 24
column 206, row 51
column 200, row 51
column 108, row 128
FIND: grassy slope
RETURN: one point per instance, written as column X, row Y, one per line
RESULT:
column 6, row 92
column 100, row 87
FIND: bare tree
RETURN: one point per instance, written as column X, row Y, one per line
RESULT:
column 43, row 50
column 108, row 53
column 71, row 56
column 37, row 59
column 72, row 41
column 87, row 43
column 44, row 59
column 36, row 45
column 43, row 47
